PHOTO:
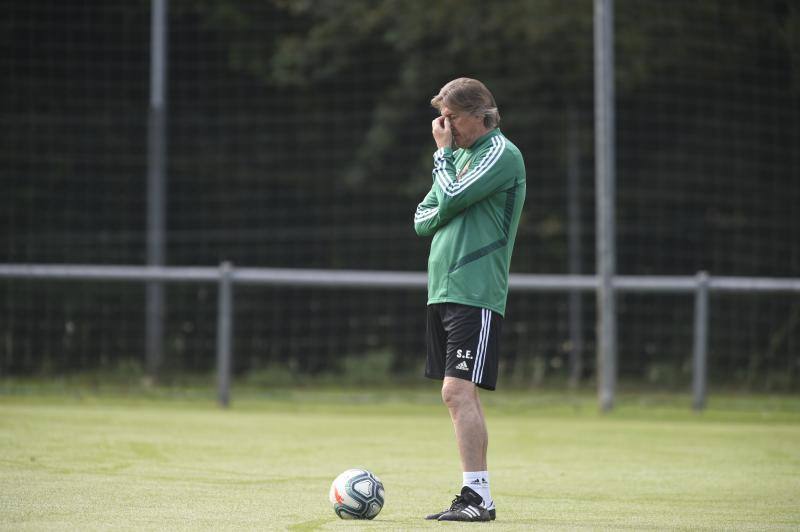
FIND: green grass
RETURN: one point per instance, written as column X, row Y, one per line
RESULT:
column 73, row 459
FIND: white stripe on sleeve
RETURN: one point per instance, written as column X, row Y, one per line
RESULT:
column 453, row 188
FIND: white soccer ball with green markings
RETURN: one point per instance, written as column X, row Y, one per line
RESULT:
column 357, row 494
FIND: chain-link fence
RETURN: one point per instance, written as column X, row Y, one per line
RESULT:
column 298, row 136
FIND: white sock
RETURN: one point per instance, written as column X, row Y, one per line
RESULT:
column 479, row 481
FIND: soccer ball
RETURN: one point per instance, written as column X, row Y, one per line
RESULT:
column 357, row 494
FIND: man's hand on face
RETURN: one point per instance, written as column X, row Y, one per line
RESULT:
column 442, row 134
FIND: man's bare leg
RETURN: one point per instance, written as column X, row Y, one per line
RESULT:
column 461, row 398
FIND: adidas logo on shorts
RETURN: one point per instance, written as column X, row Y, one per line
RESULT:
column 463, row 366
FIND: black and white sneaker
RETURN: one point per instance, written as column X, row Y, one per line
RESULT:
column 465, row 507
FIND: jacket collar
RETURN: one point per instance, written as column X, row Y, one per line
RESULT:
column 486, row 137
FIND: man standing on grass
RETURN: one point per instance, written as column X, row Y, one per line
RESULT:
column 472, row 211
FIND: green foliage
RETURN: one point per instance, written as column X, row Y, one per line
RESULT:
column 536, row 56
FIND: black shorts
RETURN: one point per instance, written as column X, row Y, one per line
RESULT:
column 463, row 342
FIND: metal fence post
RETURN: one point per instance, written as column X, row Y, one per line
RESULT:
column 224, row 333
column 700, row 350
column 156, row 186
column 604, row 186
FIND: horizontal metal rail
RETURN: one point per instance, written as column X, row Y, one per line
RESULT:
column 384, row 279
column 225, row 276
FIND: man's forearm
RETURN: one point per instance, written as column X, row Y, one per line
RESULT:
column 428, row 218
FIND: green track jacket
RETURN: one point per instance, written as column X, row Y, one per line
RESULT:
column 472, row 211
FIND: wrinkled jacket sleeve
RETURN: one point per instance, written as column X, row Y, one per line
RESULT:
column 426, row 217
column 486, row 176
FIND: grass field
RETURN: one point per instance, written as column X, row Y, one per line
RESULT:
column 76, row 461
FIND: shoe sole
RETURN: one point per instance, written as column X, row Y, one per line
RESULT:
column 435, row 517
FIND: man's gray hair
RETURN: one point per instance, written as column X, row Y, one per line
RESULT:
column 470, row 96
